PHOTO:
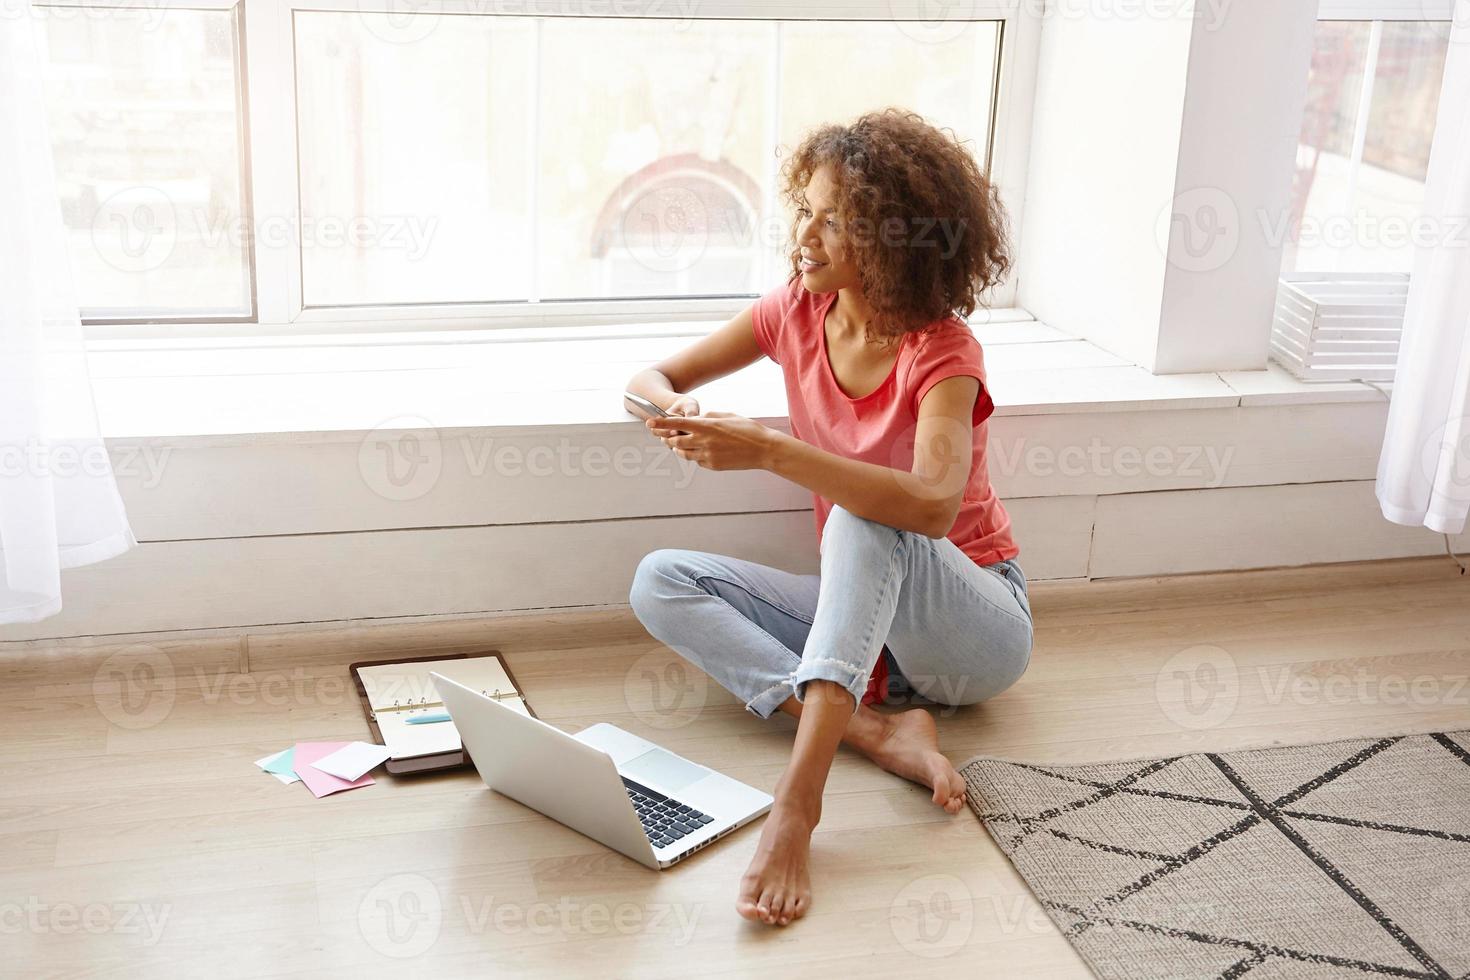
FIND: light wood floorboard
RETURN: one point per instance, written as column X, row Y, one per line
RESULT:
column 137, row 838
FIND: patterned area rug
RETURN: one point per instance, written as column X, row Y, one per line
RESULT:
column 1343, row 859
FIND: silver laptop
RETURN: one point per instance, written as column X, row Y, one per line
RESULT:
column 621, row 790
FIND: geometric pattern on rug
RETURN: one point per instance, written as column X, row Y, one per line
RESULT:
column 1337, row 859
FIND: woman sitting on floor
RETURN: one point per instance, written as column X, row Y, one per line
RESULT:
column 897, row 233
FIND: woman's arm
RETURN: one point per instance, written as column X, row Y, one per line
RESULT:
column 723, row 351
column 925, row 499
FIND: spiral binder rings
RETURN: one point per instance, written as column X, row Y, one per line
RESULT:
column 393, row 692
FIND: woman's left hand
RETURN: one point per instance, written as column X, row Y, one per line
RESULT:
column 717, row 440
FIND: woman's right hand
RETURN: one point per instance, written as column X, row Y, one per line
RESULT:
column 684, row 405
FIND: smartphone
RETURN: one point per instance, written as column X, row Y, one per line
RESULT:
column 645, row 405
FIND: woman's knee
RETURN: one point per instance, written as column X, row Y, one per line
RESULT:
column 655, row 582
column 845, row 528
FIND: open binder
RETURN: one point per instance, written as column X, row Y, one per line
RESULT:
column 394, row 692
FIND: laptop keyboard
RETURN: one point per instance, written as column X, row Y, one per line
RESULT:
column 664, row 820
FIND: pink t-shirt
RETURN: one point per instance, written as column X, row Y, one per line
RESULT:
column 879, row 427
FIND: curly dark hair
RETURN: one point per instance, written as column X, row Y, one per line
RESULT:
column 923, row 223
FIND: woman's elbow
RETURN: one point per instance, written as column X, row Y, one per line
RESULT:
column 940, row 517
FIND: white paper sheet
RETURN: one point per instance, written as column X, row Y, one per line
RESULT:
column 352, row 761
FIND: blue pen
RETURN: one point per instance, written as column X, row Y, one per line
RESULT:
column 426, row 719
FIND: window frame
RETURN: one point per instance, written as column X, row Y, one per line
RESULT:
column 270, row 171
column 1375, row 13
column 1420, row 10
column 212, row 324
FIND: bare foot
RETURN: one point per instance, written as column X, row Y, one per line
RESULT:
column 909, row 747
column 776, row 888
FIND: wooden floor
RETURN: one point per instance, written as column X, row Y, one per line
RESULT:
column 137, row 837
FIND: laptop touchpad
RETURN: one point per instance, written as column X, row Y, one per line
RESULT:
column 666, row 770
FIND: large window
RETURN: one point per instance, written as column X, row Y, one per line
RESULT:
column 470, row 162
column 1372, row 98
column 144, row 107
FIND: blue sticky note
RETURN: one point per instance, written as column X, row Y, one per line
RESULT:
column 282, row 763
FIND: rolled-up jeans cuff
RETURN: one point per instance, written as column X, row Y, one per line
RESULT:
column 849, row 676
column 765, row 704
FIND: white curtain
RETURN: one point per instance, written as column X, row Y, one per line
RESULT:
column 59, row 505
column 1424, row 469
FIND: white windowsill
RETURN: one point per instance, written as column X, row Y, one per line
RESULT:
column 218, row 392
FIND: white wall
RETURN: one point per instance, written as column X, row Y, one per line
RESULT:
column 1243, row 104
column 246, row 535
column 1105, row 136
column 1159, row 144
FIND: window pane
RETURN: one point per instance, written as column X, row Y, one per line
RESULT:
column 942, row 70
column 653, row 156
column 1405, row 99
column 144, row 120
column 1359, row 214
column 584, row 158
column 947, row 81
column 414, row 148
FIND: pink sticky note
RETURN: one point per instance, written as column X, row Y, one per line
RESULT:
column 323, row 783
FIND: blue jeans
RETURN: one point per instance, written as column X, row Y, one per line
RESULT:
column 956, row 632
